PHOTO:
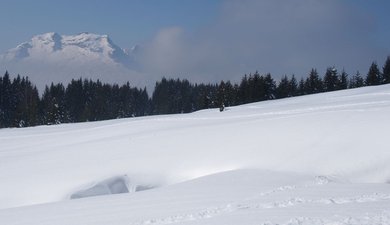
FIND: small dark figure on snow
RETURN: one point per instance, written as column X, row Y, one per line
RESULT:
column 222, row 107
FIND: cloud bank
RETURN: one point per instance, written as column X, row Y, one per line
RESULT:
column 276, row 36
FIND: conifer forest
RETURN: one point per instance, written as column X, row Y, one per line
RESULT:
column 21, row 105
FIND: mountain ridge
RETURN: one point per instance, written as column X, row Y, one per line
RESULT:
column 52, row 57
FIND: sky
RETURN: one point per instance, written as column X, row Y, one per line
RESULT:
column 211, row 40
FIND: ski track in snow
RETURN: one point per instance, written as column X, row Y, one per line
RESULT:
column 368, row 219
column 382, row 218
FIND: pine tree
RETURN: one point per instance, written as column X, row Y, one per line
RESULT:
column 270, row 87
column 142, row 103
column 75, row 100
column 331, row 79
column 243, row 90
column 302, row 87
column 356, row 81
column 283, row 89
column 343, row 84
column 53, row 104
column 313, row 82
column 203, row 100
column 5, row 101
column 26, row 113
column 17, row 107
column 231, row 94
column 386, row 71
column 257, row 88
column 373, row 75
column 221, row 96
column 33, row 106
column 293, row 86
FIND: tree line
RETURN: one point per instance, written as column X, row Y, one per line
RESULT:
column 85, row 100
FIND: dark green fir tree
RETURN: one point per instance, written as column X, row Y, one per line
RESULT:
column 373, row 75
column 386, row 71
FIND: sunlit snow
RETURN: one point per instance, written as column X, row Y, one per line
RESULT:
column 317, row 159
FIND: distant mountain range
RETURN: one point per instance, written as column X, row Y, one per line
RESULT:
column 52, row 57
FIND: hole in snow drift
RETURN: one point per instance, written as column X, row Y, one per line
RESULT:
column 114, row 185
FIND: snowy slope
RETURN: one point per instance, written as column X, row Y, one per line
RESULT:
column 52, row 57
column 318, row 159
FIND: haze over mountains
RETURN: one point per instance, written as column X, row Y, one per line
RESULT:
column 173, row 53
column 52, row 57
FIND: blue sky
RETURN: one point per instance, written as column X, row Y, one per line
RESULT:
column 210, row 40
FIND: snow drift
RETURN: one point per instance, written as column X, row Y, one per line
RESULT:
column 115, row 185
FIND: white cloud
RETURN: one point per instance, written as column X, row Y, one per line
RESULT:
column 277, row 36
column 164, row 51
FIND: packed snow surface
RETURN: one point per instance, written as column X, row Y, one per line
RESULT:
column 317, row 159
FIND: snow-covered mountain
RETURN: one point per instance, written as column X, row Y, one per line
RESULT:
column 52, row 57
column 80, row 48
column 310, row 160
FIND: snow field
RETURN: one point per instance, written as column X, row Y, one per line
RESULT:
column 234, row 197
column 318, row 159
